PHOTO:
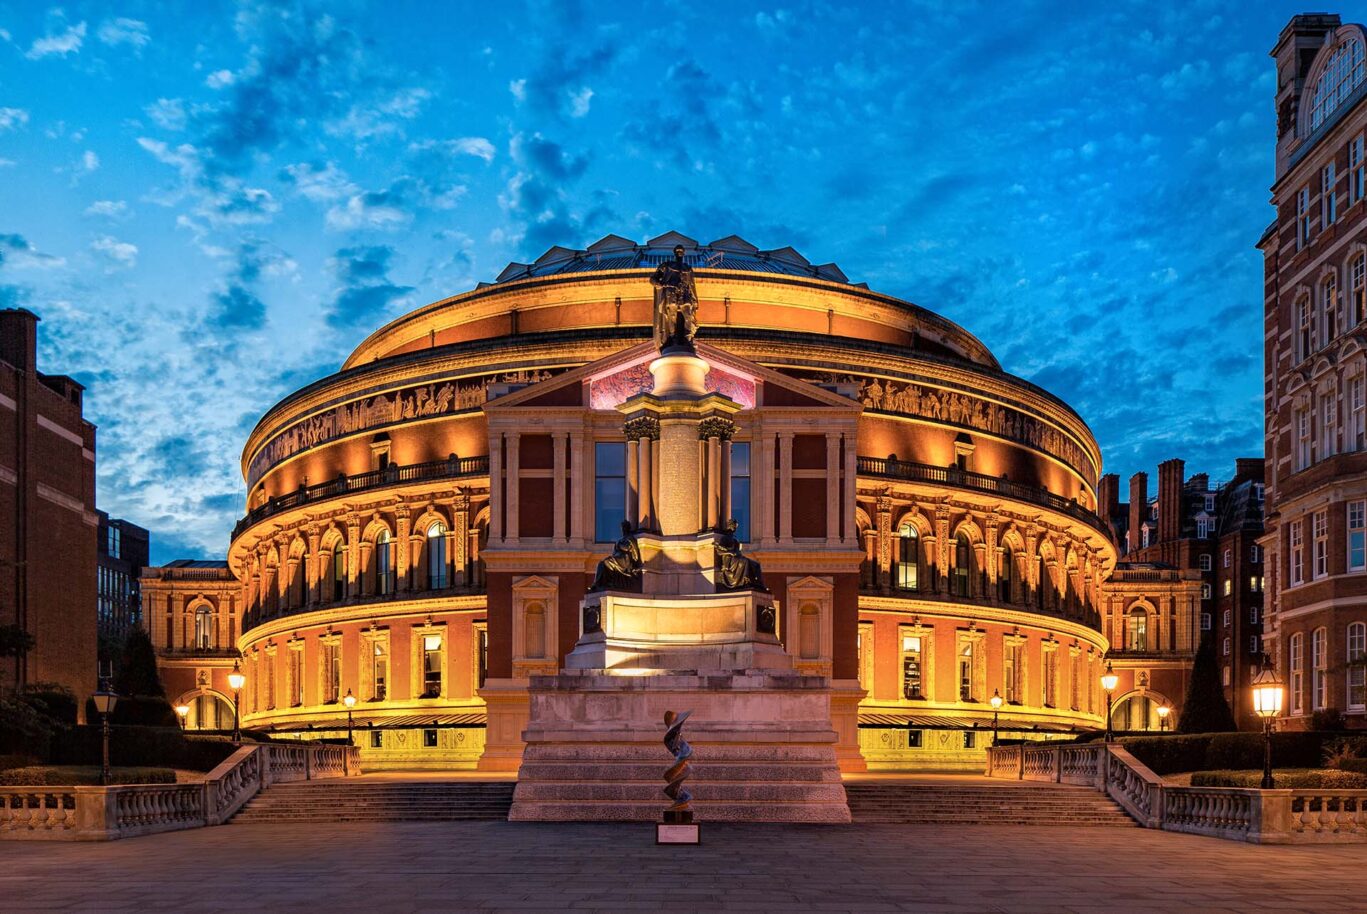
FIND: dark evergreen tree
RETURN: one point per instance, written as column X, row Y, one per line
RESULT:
column 138, row 667
column 1205, row 709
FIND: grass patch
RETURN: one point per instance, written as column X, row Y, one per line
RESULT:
column 82, row 776
column 1293, row 778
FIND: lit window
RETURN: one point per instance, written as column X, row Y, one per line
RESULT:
column 1228, row 586
column 911, row 667
column 1357, row 668
column 966, row 668
column 1225, row 677
column 431, row 666
column 610, row 490
column 1321, row 546
column 384, row 563
column 1319, row 669
column 332, row 672
column 1328, row 201
column 908, row 554
column 1297, row 666
column 379, row 672
column 1139, row 630
column 1357, row 535
column 1296, row 559
column 1342, row 73
column 437, row 571
column 204, row 628
column 740, row 489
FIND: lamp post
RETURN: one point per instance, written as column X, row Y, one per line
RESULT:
column 1109, row 680
column 182, row 712
column 105, row 700
column 1163, row 712
column 1268, row 692
column 350, row 701
column 996, row 702
column 236, row 681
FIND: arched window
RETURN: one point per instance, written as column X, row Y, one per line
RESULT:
column 1006, row 575
column 1296, row 663
column 1319, row 669
column 339, row 572
column 908, row 558
column 1357, row 290
column 1138, row 635
column 204, row 628
column 1329, row 310
column 384, row 563
column 436, row 556
column 963, row 564
column 1341, row 75
column 1305, row 328
column 1357, row 666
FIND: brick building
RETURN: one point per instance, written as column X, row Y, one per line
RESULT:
column 1315, row 302
column 191, row 612
column 47, row 502
column 123, row 553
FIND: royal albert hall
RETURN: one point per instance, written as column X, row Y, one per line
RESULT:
column 423, row 524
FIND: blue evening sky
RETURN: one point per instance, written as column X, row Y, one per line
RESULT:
column 210, row 204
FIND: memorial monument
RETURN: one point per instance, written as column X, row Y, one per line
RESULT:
column 678, row 616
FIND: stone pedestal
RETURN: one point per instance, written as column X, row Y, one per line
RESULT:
column 763, row 748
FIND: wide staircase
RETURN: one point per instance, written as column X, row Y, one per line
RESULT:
column 962, row 802
column 387, row 800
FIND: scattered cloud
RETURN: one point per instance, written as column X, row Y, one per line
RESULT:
column 220, row 79
column 108, row 209
column 119, row 254
column 11, row 118
column 67, row 41
column 123, row 31
column 90, row 161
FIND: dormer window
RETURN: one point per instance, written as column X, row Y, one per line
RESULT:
column 1343, row 73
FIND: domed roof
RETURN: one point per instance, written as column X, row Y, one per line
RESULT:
column 613, row 252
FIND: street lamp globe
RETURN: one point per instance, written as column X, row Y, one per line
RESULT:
column 1163, row 712
column 182, row 711
column 1268, row 693
column 235, row 679
column 349, row 700
column 105, row 700
column 996, row 700
column 1109, row 679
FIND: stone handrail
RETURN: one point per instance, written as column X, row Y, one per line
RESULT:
column 129, row 810
column 1235, row 813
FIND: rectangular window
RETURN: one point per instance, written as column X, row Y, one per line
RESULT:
column 1319, row 662
column 1357, row 535
column 1305, row 328
column 1227, row 617
column 1255, row 644
column 379, row 677
column 1205, row 591
column 1255, row 554
column 1225, row 677
column 1229, row 557
column 1321, row 531
column 1205, row 622
column 1328, row 200
column 1297, row 665
column 609, row 490
column 1328, row 427
column 1355, row 438
column 431, row 666
column 1357, row 666
column 1204, row 562
column 1254, row 615
column 332, row 672
column 377, row 739
column 911, row 667
column 1202, row 528
column 1050, row 677
column 1296, row 558
column 915, row 739
column 1075, row 682
column 1225, row 649
column 1304, row 221
column 967, row 655
column 1303, row 456
column 1228, row 587
column 296, row 674
column 1357, row 170
column 740, row 488
column 1011, row 670
column 429, row 738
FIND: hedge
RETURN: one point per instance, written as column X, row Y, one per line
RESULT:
column 1299, row 779
column 1217, row 751
column 82, row 775
column 1358, row 765
column 141, row 746
column 137, row 710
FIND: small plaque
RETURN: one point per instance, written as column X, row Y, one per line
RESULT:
column 678, row 834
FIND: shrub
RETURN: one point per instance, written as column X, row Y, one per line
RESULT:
column 138, row 667
column 1292, row 778
column 1170, row 754
column 18, row 760
column 1356, row 765
column 1215, row 751
column 1342, row 748
column 1205, row 710
column 1328, row 719
column 82, row 775
column 137, row 711
column 53, row 700
column 145, row 746
column 23, row 729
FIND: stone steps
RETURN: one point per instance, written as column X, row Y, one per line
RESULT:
column 343, row 801
column 928, row 804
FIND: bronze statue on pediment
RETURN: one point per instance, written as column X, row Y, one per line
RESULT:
column 676, row 302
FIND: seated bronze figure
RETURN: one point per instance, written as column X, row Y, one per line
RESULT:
column 735, row 571
column 622, row 569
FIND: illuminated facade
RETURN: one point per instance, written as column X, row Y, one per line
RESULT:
column 423, row 524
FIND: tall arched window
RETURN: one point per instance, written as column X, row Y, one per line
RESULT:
column 1357, row 290
column 1341, row 75
column 1329, row 310
column 1319, row 669
column 963, row 564
column 1357, row 666
column 204, row 628
column 1138, row 639
column 908, row 558
column 1305, row 328
column 1006, row 575
column 339, row 572
column 384, row 564
column 436, row 556
column 1296, row 663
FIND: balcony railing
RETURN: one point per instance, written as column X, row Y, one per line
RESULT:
column 978, row 482
column 451, row 468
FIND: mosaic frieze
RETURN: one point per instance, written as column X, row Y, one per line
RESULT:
column 383, row 409
column 615, row 389
column 954, row 408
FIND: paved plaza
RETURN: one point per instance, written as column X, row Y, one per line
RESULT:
column 498, row 866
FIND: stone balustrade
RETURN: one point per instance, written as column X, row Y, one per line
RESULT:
column 130, row 810
column 1233, row 813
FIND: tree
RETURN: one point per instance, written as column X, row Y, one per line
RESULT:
column 138, row 667
column 1205, row 709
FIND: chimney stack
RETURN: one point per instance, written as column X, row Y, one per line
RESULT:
column 1108, row 498
column 1171, row 499
column 1139, row 507
column 1302, row 37
column 1250, row 468
column 19, row 338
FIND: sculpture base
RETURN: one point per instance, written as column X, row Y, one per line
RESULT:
column 763, row 748
column 683, row 833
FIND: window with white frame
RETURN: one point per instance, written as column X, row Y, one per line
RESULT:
column 1303, row 443
column 1357, row 170
column 1229, row 557
column 1255, row 554
column 1205, row 622
column 1357, row 666
column 1357, row 290
column 1320, row 530
column 1328, row 426
column 1255, row 615
column 1202, row 527
column 1255, row 644
column 1225, row 647
column 1205, row 591
column 1319, row 669
column 1296, row 663
column 1304, row 220
column 1329, row 211
column 1210, row 503
column 1204, row 562
column 1255, row 583
column 1225, row 677
column 1357, row 535
column 1305, row 328
column 1227, row 617
column 1228, row 586
column 1355, row 438
column 1329, row 310
column 1296, row 554
column 1342, row 73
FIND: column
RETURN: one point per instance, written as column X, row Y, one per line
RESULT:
column 510, row 530
column 558, row 484
column 633, row 481
column 460, row 539
column 832, row 488
column 785, row 487
column 578, row 480
column 312, row 571
column 403, row 549
column 762, row 483
column 714, row 483
column 943, row 546
column 353, row 556
column 883, row 534
column 851, row 490
column 645, row 517
column 496, row 487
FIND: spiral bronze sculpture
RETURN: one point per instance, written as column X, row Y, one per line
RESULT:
column 680, row 812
